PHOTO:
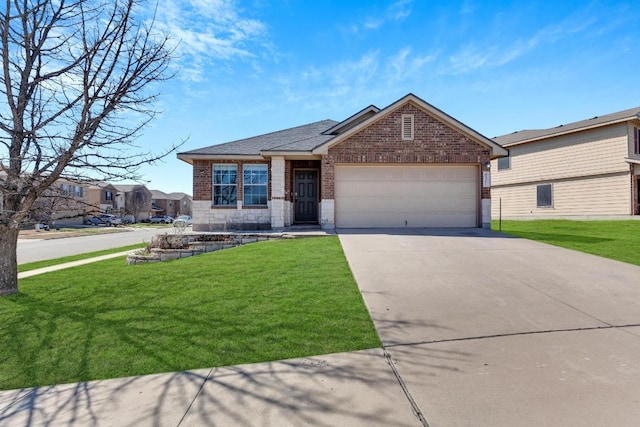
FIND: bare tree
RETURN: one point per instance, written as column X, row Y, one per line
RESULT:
column 138, row 200
column 76, row 90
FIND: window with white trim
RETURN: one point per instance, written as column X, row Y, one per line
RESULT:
column 407, row 127
column 504, row 163
column 254, row 184
column 225, row 184
column 544, row 196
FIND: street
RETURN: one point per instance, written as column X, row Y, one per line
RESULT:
column 31, row 250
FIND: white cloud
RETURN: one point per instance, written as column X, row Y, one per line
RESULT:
column 352, row 84
column 209, row 30
column 397, row 11
column 495, row 53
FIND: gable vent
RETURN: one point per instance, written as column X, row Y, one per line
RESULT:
column 407, row 127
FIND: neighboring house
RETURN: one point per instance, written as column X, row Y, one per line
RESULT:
column 589, row 168
column 133, row 202
column 172, row 204
column 64, row 202
column 101, row 198
column 183, row 203
column 407, row 165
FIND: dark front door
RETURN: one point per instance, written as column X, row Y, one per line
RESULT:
column 306, row 196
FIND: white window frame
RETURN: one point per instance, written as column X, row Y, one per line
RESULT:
column 228, row 167
column 508, row 161
column 407, row 127
column 248, row 168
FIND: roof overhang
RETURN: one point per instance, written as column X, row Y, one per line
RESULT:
column 352, row 121
column 496, row 149
column 291, row 155
column 632, row 161
column 570, row 131
column 191, row 157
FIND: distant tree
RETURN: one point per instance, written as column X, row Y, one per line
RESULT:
column 75, row 91
column 138, row 200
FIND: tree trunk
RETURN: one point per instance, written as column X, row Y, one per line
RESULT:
column 8, row 260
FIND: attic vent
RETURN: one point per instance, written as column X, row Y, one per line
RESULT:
column 407, row 127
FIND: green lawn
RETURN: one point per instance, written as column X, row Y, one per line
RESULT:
column 619, row 240
column 40, row 264
column 264, row 301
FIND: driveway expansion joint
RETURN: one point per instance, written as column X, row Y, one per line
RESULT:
column 416, row 409
column 195, row 397
column 514, row 334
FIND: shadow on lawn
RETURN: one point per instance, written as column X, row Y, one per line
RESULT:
column 356, row 388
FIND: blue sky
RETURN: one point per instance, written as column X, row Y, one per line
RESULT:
column 244, row 68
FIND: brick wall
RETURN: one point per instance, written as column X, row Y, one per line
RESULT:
column 434, row 142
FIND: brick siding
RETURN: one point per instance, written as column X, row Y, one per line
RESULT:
column 434, row 143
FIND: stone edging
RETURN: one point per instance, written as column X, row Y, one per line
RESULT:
column 174, row 246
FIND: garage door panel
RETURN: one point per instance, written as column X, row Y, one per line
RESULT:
column 406, row 196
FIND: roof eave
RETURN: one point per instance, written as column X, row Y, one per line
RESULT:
column 190, row 157
column 290, row 153
column 567, row 132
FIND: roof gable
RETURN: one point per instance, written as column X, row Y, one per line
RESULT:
column 496, row 149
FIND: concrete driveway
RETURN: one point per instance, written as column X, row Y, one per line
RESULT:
column 489, row 330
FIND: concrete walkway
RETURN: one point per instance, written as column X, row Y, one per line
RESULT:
column 478, row 329
column 65, row 265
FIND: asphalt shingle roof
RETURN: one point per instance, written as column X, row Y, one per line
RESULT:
column 300, row 138
column 531, row 134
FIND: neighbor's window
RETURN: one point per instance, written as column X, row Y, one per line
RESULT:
column 255, row 179
column 504, row 163
column 78, row 191
column 636, row 144
column 407, row 127
column 544, row 196
column 108, row 195
column 225, row 184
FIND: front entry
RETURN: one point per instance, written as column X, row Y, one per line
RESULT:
column 306, row 196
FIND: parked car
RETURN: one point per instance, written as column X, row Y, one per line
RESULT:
column 186, row 219
column 94, row 220
column 110, row 220
column 161, row 219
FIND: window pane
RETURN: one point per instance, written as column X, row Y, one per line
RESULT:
column 504, row 163
column 255, row 179
column 544, row 196
column 225, row 180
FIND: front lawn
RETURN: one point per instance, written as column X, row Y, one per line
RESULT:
column 619, row 240
column 264, row 301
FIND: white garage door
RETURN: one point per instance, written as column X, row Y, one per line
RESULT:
column 406, row 196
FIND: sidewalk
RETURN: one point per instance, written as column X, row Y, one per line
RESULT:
column 57, row 267
column 347, row 389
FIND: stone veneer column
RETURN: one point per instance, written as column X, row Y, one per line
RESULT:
column 277, row 192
